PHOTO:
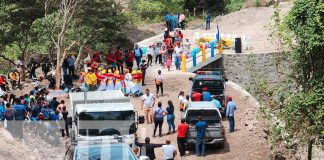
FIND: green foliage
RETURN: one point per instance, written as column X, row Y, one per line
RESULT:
column 234, row 5
column 257, row 3
column 298, row 100
column 16, row 19
column 151, row 11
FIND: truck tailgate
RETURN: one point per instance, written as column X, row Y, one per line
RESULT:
column 211, row 132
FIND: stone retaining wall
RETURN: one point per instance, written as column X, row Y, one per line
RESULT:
column 248, row 69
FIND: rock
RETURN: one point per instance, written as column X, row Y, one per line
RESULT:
column 250, row 128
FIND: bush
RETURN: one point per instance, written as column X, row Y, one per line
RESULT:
column 234, row 5
column 148, row 9
column 257, row 3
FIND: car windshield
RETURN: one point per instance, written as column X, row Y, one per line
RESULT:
column 210, row 84
column 106, row 123
column 117, row 152
column 209, row 116
column 113, row 115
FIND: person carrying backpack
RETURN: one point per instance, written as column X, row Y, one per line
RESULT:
column 9, row 115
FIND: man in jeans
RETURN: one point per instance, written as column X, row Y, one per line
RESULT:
column 230, row 109
column 148, row 100
column 20, row 115
column 201, row 129
column 181, row 137
column 158, row 116
column 138, row 55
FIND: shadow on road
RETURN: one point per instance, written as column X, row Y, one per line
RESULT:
column 211, row 149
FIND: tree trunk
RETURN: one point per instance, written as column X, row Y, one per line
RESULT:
column 78, row 58
column 58, row 68
column 310, row 149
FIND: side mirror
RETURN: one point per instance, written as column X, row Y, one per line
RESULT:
column 141, row 119
column 190, row 78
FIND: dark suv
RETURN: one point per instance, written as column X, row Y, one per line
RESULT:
column 214, row 81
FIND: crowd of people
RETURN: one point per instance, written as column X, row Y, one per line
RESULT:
column 156, row 115
column 36, row 106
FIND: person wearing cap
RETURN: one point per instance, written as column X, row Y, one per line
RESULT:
column 147, row 147
column 230, row 109
column 91, row 80
column 206, row 94
column 102, row 77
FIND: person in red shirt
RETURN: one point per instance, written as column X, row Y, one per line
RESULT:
column 96, row 57
column 196, row 96
column 3, row 83
column 129, row 60
column 181, row 137
column 110, row 60
column 119, row 60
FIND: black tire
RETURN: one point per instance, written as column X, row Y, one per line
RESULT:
column 220, row 145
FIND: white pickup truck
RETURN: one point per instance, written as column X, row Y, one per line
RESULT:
column 215, row 133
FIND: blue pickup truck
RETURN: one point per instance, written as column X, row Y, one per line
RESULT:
column 214, row 81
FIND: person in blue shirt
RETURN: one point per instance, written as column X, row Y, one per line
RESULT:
column 172, row 23
column 201, row 129
column 208, row 19
column 206, row 94
column 2, row 109
column 167, row 20
column 216, row 102
column 20, row 115
column 138, row 53
column 230, row 109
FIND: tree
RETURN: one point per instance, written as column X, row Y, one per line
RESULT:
column 16, row 19
column 67, row 10
column 99, row 22
column 298, row 101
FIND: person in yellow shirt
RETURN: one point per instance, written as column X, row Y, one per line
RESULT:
column 14, row 78
column 91, row 80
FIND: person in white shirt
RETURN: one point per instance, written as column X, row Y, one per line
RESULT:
column 169, row 151
column 159, row 83
column 186, row 45
column 148, row 100
column 150, row 52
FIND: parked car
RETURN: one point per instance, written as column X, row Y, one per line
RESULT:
column 215, row 133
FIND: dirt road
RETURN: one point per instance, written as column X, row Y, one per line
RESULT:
column 247, row 142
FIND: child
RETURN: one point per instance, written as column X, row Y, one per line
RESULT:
column 169, row 62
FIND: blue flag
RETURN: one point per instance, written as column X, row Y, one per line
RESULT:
column 217, row 35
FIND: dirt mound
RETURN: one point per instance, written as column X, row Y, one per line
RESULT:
column 12, row 149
